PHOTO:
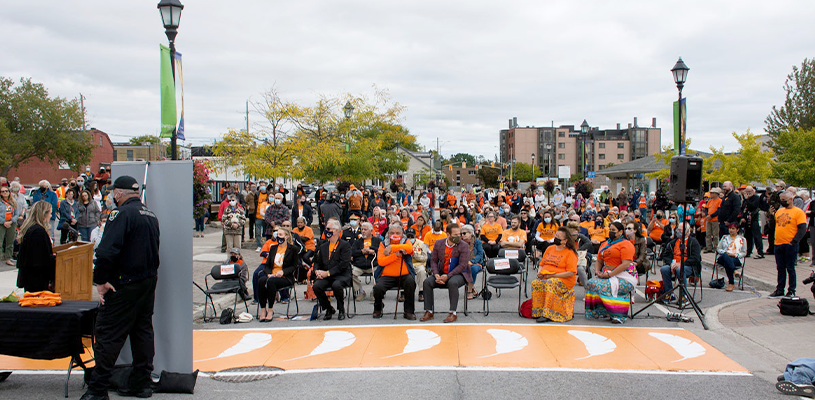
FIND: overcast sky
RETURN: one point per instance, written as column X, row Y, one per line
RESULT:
column 462, row 68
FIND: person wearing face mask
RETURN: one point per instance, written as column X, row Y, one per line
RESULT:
column 62, row 188
column 331, row 208
column 598, row 234
column 395, row 270
column 476, row 261
column 730, row 209
column 607, row 293
column 790, row 228
column 45, row 193
column 68, row 214
column 353, row 232
column 363, row 257
column 233, row 220
column 420, row 255
column 682, row 243
column 634, row 234
column 448, row 271
column 262, row 200
column 332, row 269
column 731, row 253
column 355, row 198
column 275, row 214
column 434, row 235
column 278, row 272
column 553, row 290
column 669, row 232
column 491, row 236
column 657, row 227
column 96, row 234
column 421, row 227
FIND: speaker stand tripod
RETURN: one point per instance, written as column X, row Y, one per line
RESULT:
column 681, row 285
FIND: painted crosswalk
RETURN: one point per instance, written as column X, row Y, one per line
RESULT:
column 509, row 346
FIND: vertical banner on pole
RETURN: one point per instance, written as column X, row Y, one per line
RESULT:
column 179, row 73
column 677, row 128
column 680, row 124
column 167, row 85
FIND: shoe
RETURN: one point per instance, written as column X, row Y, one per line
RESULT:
column 778, row 293
column 254, row 302
column 360, row 295
column 758, row 256
column 542, row 319
column 90, row 396
column 377, row 314
column 788, row 387
column 729, row 287
column 427, row 316
column 769, row 253
column 616, row 321
column 341, row 315
column 257, row 250
column 372, row 296
column 401, row 298
column 409, row 316
column 790, row 293
column 140, row 393
column 450, row 318
column 284, row 301
column 421, row 296
column 328, row 314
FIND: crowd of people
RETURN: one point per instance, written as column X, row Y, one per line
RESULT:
column 443, row 239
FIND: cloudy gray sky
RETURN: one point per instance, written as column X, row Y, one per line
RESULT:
column 462, row 68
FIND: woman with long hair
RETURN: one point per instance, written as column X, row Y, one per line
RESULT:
column 553, row 291
column 8, row 229
column 278, row 272
column 546, row 230
column 88, row 215
column 633, row 232
column 607, row 294
column 35, row 267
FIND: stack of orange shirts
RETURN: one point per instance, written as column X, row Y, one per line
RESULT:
column 40, row 299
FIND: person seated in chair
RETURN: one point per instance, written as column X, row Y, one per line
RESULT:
column 332, row 269
column 448, row 264
column 732, row 250
column 236, row 258
column 671, row 258
column 363, row 257
column 395, row 270
column 278, row 272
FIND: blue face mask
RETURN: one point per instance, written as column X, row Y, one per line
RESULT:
column 547, row 220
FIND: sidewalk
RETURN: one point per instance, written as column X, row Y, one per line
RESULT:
column 762, row 274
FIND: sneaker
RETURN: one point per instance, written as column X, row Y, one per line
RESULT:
column 360, row 295
column 616, row 320
column 791, row 388
column 257, row 250
column 790, row 293
column 372, row 296
column 778, row 293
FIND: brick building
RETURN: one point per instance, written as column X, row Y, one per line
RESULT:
column 462, row 177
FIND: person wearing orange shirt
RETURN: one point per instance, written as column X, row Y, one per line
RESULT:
column 790, row 228
column 278, row 272
column 553, row 291
column 608, row 293
column 462, row 215
column 682, row 245
column 437, row 233
column 514, row 237
column 657, row 227
column 545, row 234
column 491, row 236
column 598, row 234
column 260, row 212
column 421, row 227
column 712, row 224
column 405, row 219
column 395, row 271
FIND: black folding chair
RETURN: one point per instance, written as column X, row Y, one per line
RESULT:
column 226, row 279
column 292, row 297
column 520, row 255
column 500, row 274
column 715, row 273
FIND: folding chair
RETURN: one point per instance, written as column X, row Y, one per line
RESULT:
column 503, row 273
column 292, row 295
column 520, row 255
column 715, row 273
column 226, row 280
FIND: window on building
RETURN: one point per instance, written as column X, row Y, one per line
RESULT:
column 471, row 172
column 115, row 154
column 621, row 145
column 458, row 172
column 561, row 145
column 561, row 134
column 100, row 140
column 602, row 145
column 130, row 155
column 621, row 156
column 561, row 156
column 602, row 156
column 602, row 167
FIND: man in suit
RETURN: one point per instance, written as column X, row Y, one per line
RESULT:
column 332, row 269
column 363, row 257
column 448, row 264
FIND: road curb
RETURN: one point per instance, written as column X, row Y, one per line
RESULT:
column 755, row 283
column 712, row 314
column 221, row 302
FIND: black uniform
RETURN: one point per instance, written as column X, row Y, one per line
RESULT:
column 750, row 207
column 729, row 211
column 128, row 259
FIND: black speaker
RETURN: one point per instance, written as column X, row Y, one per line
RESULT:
column 686, row 179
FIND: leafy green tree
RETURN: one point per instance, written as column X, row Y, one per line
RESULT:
column 796, row 165
column 138, row 140
column 749, row 164
column 798, row 111
column 462, row 157
column 522, row 172
column 34, row 125
column 488, row 175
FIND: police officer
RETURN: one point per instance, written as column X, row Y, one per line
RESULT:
column 127, row 262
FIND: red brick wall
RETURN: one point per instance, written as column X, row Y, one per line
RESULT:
column 35, row 170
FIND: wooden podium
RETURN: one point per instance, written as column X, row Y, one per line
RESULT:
column 74, row 271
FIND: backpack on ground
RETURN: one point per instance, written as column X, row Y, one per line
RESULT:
column 227, row 316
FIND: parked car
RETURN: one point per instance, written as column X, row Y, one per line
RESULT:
column 29, row 193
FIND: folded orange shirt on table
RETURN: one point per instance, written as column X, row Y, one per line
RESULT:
column 40, row 299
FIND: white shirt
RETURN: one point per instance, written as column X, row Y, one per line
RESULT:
column 539, row 200
column 558, row 199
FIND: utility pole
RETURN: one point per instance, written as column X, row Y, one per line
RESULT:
column 82, row 106
column 247, row 117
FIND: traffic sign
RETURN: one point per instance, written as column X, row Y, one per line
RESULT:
column 591, row 175
column 564, row 172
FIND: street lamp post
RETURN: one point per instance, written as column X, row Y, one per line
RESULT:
column 534, row 175
column 584, row 132
column 348, row 110
column 680, row 73
column 171, row 16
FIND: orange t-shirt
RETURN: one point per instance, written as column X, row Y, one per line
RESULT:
column 599, row 234
column 712, row 206
column 677, row 249
column 656, row 233
column 612, row 256
column 430, row 238
column 278, row 259
column 786, row 224
column 547, row 231
column 462, row 220
column 404, row 222
column 9, row 211
column 307, row 235
column 555, row 261
column 392, row 264
column 491, row 231
column 331, row 248
column 421, row 232
column 516, row 236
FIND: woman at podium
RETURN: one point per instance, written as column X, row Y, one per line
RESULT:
column 35, row 261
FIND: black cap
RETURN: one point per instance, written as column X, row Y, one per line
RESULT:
column 410, row 232
column 126, row 182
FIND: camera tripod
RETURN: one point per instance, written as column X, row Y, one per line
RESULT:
column 681, row 285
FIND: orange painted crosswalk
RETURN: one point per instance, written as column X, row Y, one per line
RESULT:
column 437, row 345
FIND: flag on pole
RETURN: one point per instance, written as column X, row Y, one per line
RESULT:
column 680, row 124
column 167, row 85
column 179, row 73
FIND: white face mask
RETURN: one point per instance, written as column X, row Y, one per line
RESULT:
column 353, row 223
column 278, row 201
column 232, row 203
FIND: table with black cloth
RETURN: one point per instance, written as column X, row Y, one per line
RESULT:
column 47, row 333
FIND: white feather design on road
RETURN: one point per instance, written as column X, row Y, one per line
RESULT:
column 506, row 341
column 596, row 345
column 332, row 341
column 249, row 342
column 418, row 340
column 685, row 347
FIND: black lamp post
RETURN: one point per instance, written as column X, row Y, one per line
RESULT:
column 348, row 110
column 534, row 175
column 171, row 17
column 680, row 72
column 584, row 131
